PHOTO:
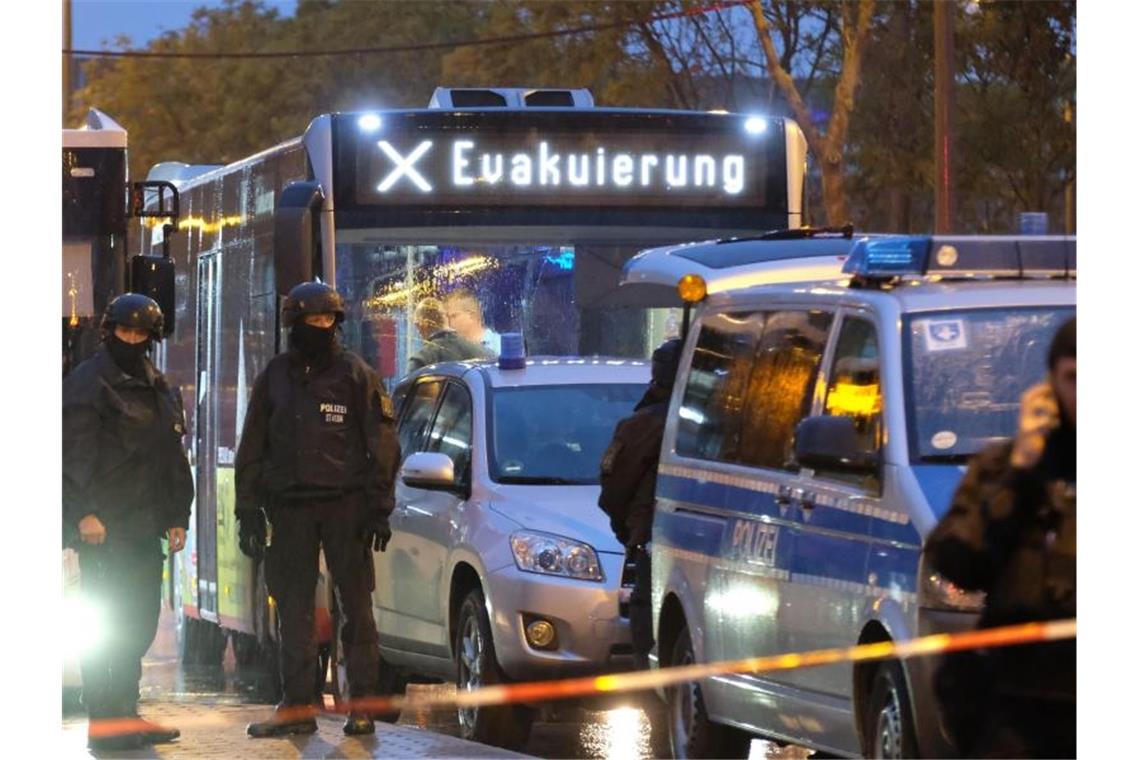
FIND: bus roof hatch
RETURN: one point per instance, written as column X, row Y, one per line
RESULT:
column 447, row 98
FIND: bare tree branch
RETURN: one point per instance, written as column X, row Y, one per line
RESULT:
column 698, row 24
column 855, row 41
column 783, row 79
column 817, row 59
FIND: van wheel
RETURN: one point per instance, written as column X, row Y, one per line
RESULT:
column 691, row 733
column 888, row 727
column 475, row 666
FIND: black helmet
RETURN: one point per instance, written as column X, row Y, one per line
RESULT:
column 665, row 361
column 134, row 310
column 312, row 298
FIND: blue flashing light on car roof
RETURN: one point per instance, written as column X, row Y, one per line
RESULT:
column 513, row 353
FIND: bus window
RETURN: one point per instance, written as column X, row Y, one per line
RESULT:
column 484, row 291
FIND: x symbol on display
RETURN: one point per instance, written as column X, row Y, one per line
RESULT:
column 404, row 166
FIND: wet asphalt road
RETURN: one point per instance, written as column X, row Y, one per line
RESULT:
column 622, row 728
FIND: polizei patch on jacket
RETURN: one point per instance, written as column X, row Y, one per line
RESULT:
column 333, row 412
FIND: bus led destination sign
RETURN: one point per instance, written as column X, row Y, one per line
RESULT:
column 565, row 169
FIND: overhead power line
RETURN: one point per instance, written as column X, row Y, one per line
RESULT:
column 486, row 41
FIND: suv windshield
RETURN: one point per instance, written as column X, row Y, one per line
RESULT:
column 966, row 371
column 555, row 434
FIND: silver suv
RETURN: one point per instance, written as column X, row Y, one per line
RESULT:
column 501, row 566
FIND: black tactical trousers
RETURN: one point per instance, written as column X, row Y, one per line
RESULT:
column 641, row 608
column 300, row 529
column 123, row 581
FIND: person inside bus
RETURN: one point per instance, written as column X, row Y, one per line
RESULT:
column 440, row 342
column 318, row 457
column 465, row 316
column 126, row 485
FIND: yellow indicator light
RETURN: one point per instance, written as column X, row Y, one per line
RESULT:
column 852, row 399
column 692, row 288
column 73, row 293
column 540, row 634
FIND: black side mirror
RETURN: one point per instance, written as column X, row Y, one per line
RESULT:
column 828, row 442
column 153, row 276
column 296, row 235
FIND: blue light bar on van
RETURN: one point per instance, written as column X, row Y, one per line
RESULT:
column 963, row 256
column 888, row 257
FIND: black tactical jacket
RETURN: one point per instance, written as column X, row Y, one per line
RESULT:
column 445, row 346
column 317, row 432
column 123, row 459
column 1013, row 534
column 629, row 469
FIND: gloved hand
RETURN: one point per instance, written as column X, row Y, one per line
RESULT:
column 621, row 532
column 375, row 532
column 251, row 533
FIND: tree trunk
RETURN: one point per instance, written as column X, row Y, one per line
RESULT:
column 898, row 214
column 834, row 193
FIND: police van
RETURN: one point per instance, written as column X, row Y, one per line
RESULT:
column 816, row 434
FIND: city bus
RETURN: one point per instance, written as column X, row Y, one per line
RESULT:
column 526, row 203
column 94, row 230
column 95, row 268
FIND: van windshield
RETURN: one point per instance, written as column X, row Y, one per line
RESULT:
column 966, row 371
column 555, row 434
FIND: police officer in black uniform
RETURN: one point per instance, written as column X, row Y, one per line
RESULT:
column 629, row 479
column 318, row 457
column 126, row 484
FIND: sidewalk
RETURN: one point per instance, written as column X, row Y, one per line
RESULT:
column 218, row 731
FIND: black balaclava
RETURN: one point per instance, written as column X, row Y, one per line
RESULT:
column 130, row 357
column 313, row 342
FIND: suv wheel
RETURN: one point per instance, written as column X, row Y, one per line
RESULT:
column 475, row 666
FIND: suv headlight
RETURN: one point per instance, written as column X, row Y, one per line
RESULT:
column 555, row 555
column 938, row 593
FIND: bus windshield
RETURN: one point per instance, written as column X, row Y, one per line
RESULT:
column 482, row 291
column 94, row 232
column 966, row 372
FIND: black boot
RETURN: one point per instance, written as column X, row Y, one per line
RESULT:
column 292, row 719
column 114, row 743
column 359, row 723
column 153, row 733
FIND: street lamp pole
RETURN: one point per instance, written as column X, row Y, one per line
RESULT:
column 944, row 115
column 66, row 60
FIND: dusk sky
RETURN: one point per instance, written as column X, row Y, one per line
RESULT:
column 95, row 22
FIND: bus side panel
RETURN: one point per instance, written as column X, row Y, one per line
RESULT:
column 179, row 368
column 247, row 341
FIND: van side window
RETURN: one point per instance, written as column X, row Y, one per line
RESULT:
column 780, row 389
column 853, row 389
column 710, row 414
column 418, row 410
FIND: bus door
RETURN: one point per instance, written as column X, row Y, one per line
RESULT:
column 206, row 433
